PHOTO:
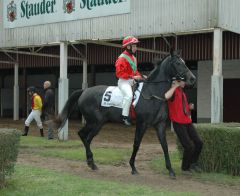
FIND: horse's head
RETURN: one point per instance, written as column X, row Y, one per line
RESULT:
column 177, row 67
column 171, row 66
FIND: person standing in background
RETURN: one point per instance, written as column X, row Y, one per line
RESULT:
column 48, row 108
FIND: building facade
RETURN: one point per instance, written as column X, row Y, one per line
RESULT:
column 43, row 39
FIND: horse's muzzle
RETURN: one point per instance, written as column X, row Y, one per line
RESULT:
column 190, row 79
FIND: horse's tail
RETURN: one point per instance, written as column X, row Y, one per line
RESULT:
column 68, row 108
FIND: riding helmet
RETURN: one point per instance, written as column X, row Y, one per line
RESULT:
column 31, row 89
column 129, row 40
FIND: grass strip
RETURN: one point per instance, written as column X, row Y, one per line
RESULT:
column 34, row 181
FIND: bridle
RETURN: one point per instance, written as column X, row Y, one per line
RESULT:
column 180, row 74
column 160, row 81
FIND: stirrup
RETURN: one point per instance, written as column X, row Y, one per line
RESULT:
column 126, row 121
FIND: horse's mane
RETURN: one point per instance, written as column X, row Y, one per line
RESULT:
column 157, row 65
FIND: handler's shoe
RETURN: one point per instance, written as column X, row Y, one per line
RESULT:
column 187, row 172
column 126, row 120
column 194, row 167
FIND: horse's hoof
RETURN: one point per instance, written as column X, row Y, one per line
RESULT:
column 92, row 166
column 172, row 175
column 134, row 172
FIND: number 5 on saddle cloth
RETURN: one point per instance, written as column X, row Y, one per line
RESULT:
column 113, row 97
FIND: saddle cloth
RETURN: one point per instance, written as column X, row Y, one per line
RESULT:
column 113, row 97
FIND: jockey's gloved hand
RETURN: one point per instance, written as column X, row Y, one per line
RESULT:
column 138, row 79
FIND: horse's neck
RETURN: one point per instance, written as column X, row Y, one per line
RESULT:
column 160, row 82
column 158, row 88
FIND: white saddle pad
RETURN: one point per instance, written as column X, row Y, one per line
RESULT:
column 113, row 97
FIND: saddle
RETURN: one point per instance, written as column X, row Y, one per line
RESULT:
column 113, row 97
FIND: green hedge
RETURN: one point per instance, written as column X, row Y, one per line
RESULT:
column 9, row 145
column 221, row 150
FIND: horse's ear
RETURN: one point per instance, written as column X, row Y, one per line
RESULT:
column 175, row 52
column 179, row 52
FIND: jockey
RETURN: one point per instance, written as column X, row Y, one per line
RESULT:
column 126, row 72
column 36, row 106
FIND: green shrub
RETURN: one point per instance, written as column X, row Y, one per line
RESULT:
column 9, row 143
column 221, row 150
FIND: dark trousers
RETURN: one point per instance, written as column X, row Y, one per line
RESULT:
column 191, row 142
column 48, row 114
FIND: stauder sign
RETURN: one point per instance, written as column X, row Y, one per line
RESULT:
column 39, row 8
column 20, row 13
column 90, row 4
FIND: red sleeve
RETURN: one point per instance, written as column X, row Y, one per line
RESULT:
column 137, row 73
column 121, row 69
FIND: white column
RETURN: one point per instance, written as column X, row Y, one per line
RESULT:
column 63, row 87
column 16, row 94
column 85, row 79
column 85, row 83
column 217, row 79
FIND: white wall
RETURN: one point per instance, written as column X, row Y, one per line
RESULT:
column 229, row 15
column 205, row 68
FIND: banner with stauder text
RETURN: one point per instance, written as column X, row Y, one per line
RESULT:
column 20, row 13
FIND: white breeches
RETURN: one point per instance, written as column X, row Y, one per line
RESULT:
column 126, row 88
column 35, row 114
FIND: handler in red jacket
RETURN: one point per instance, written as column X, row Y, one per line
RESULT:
column 179, row 113
column 126, row 71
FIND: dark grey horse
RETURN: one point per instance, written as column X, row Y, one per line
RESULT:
column 151, row 109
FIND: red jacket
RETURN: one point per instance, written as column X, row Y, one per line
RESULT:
column 178, row 108
column 123, row 67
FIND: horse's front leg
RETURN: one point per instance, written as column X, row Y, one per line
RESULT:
column 140, row 130
column 161, row 132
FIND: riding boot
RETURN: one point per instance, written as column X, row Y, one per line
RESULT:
column 25, row 132
column 41, row 133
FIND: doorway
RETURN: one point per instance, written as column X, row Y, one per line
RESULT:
column 231, row 103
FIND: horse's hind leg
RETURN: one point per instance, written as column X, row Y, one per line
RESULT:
column 86, row 134
column 161, row 132
column 83, row 133
column 140, row 130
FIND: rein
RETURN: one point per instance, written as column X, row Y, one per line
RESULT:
column 151, row 82
column 152, row 96
column 155, row 82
